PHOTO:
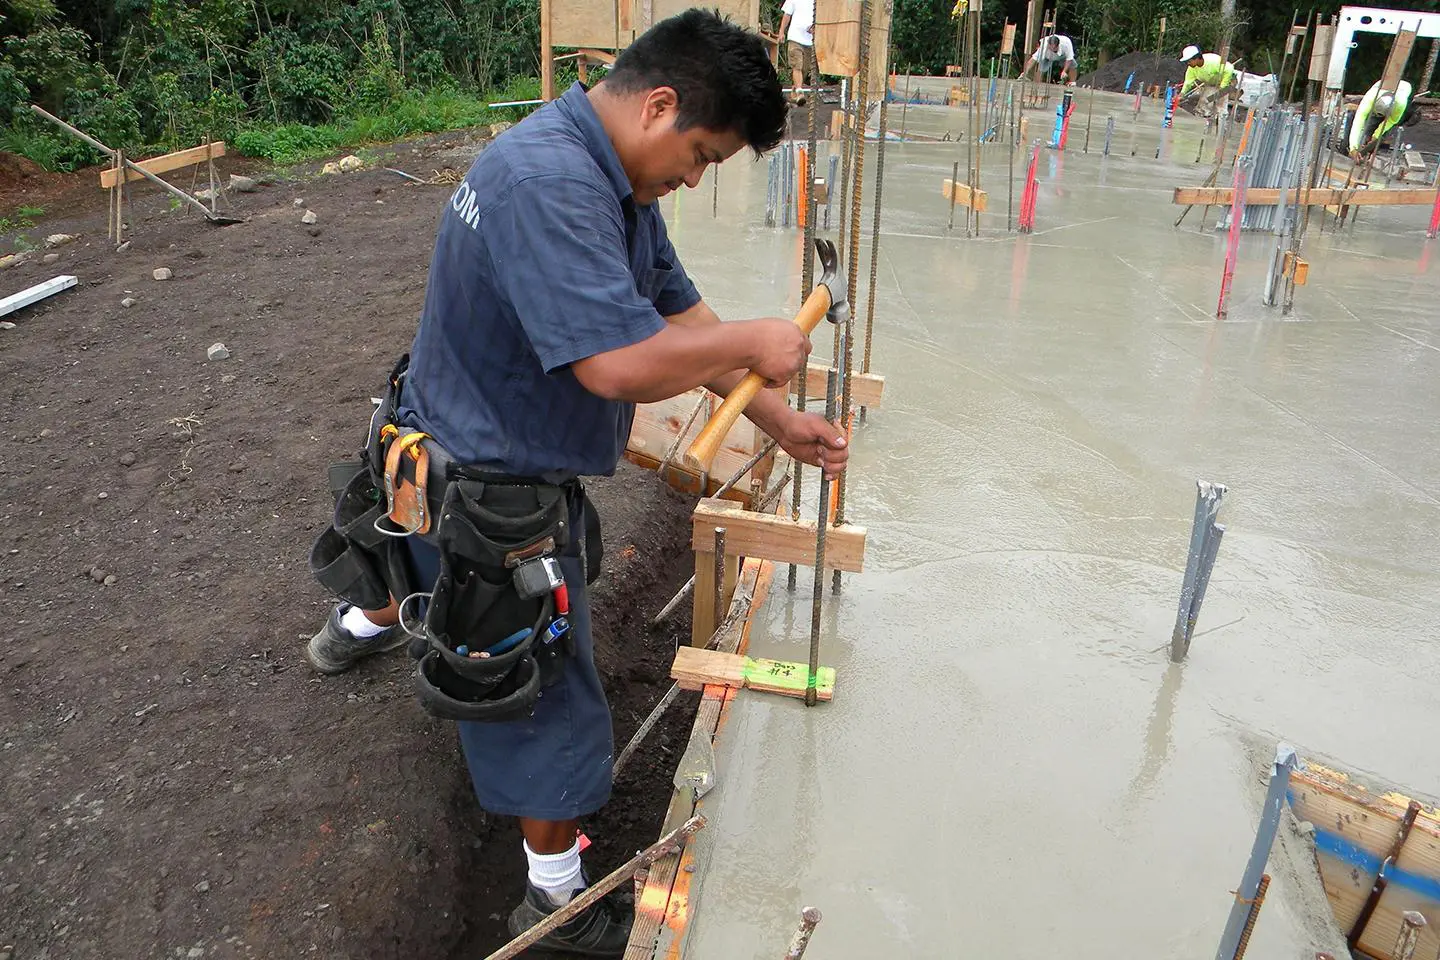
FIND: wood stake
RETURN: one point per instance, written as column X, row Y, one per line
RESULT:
column 670, row 843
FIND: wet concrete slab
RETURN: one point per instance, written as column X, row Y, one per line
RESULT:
column 1011, row 765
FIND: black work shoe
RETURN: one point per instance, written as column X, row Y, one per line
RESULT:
column 601, row 930
column 335, row 649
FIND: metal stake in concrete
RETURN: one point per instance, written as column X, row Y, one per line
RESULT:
column 832, row 386
column 1205, row 537
column 809, row 918
column 1247, row 895
column 771, row 188
column 1109, row 133
column 831, row 188
column 1411, row 921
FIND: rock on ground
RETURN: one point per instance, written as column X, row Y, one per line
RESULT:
column 162, row 273
column 218, row 351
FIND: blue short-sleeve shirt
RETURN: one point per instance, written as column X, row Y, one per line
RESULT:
column 542, row 258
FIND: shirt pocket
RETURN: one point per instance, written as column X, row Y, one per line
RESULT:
column 654, row 280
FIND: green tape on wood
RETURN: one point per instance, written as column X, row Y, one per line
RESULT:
column 780, row 675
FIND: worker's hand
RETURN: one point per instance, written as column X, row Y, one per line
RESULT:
column 811, row 439
column 778, row 349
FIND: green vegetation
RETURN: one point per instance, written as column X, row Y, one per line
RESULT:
column 290, row 80
column 283, row 79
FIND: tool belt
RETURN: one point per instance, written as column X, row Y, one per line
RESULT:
column 494, row 631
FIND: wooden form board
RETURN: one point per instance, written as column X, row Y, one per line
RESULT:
column 1320, row 52
column 170, row 161
column 744, row 12
column 1319, row 197
column 654, row 431
column 695, row 668
column 978, row 200
column 837, row 40
column 18, row 301
column 770, row 537
column 605, row 24
column 866, row 389
column 1354, row 830
column 662, row 910
column 1399, row 56
column 1007, row 40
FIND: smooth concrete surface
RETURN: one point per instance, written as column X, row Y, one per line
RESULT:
column 1011, row 766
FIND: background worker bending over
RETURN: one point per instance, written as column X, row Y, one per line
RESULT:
column 1054, row 49
column 1376, row 115
column 1209, row 77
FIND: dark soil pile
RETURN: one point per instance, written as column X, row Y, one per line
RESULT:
column 178, row 782
column 1148, row 71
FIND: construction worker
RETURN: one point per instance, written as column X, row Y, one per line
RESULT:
column 797, row 26
column 1209, row 77
column 1054, row 49
column 1376, row 115
column 555, row 303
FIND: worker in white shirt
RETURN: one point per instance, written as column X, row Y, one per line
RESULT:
column 797, row 25
column 1054, row 49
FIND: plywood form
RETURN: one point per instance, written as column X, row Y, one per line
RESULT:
column 1353, row 824
column 837, row 40
column 654, row 431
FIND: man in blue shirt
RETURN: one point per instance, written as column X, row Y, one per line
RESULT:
column 555, row 303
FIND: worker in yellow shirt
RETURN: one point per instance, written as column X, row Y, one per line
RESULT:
column 1376, row 115
column 1209, row 75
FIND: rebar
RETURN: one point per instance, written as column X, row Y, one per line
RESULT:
column 875, row 225
column 821, row 528
column 857, row 191
column 832, row 186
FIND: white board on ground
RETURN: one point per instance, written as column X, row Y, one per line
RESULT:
column 35, row 294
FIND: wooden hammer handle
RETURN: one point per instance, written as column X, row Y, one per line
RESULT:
column 707, row 443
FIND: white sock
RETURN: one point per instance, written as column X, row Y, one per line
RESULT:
column 558, row 874
column 358, row 625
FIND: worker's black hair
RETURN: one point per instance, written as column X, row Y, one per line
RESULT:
column 719, row 71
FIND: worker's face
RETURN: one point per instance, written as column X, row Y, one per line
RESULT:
column 1054, row 45
column 1197, row 61
column 663, row 158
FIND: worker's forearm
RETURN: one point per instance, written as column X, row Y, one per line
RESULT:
column 677, row 359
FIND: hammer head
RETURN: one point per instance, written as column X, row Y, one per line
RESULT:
column 831, row 279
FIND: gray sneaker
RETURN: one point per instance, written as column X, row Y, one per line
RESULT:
column 601, row 930
column 335, row 649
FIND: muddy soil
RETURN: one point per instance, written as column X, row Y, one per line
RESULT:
column 177, row 781
column 1147, row 68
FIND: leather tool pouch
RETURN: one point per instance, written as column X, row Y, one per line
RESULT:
column 485, row 531
column 350, row 558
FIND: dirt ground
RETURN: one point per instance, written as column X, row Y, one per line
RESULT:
column 1147, row 68
column 178, row 782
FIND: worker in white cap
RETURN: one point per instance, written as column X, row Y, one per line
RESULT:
column 1209, row 75
column 1377, row 114
column 1054, row 49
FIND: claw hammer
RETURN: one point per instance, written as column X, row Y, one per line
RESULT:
column 828, row 300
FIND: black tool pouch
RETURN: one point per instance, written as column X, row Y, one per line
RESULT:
column 485, row 531
column 352, row 559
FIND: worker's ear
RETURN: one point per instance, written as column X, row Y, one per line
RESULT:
column 659, row 110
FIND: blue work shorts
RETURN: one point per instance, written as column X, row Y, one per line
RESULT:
column 555, row 764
